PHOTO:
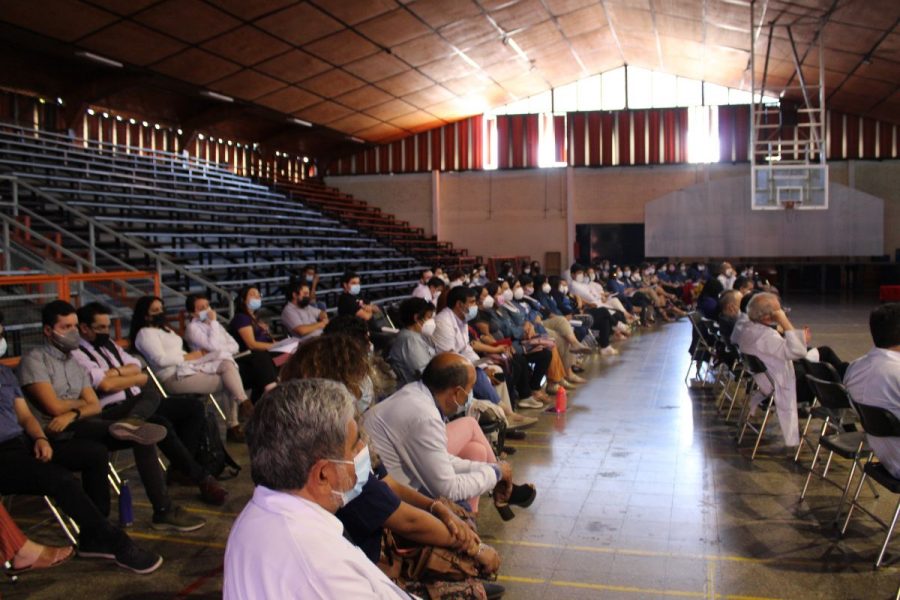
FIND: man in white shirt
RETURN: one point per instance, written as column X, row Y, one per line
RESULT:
column 409, row 431
column 759, row 338
column 874, row 379
column 727, row 275
column 421, row 290
column 301, row 318
column 287, row 543
column 122, row 385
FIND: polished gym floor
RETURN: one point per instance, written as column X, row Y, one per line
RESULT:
column 642, row 493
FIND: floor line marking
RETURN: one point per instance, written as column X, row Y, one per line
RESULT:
column 201, row 511
column 622, row 588
column 185, row 541
column 710, row 580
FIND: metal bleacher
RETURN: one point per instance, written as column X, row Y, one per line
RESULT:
column 92, row 205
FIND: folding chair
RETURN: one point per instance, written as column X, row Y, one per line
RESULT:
column 834, row 399
column 877, row 422
column 825, row 372
column 67, row 524
column 163, row 393
column 701, row 349
column 754, row 366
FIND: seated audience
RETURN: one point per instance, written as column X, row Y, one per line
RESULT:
column 310, row 276
column 61, row 389
column 874, row 379
column 350, row 304
column 287, row 543
column 205, row 333
column 22, row 554
column 602, row 319
column 413, row 349
column 121, row 384
column 300, row 317
column 408, row 431
column 381, row 381
column 196, row 372
column 384, row 503
column 251, row 332
column 726, row 275
column 421, row 290
column 729, row 310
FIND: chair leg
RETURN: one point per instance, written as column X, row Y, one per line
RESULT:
column 853, row 467
column 853, row 503
column 803, row 435
column 887, row 538
column 62, row 521
column 812, row 469
column 762, row 430
column 218, row 408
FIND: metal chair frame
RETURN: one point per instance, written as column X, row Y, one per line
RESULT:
column 754, row 366
column 823, row 371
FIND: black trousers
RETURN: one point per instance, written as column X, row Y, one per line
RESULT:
column 184, row 418
column 96, row 429
column 86, row 502
column 805, row 393
column 602, row 325
column 257, row 371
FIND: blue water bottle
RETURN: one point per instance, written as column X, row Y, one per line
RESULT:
column 126, row 511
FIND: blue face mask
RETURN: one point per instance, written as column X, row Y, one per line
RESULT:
column 465, row 407
column 355, row 289
column 254, row 303
column 362, row 464
column 472, row 313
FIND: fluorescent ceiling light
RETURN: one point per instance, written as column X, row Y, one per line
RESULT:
column 467, row 58
column 356, row 139
column 100, row 59
column 300, row 122
column 216, row 96
column 512, row 44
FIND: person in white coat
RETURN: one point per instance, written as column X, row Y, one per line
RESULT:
column 759, row 338
column 307, row 460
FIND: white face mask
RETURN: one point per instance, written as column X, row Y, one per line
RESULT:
column 428, row 327
column 488, row 302
column 627, row 273
column 519, row 293
column 564, row 289
column 545, row 288
column 507, row 295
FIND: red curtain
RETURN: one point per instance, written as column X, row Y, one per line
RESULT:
column 532, row 126
column 477, row 142
column 885, row 141
column 436, row 149
column 517, row 141
column 682, row 117
column 836, row 131
column 576, row 138
column 653, row 126
column 449, row 147
column 852, row 136
column 624, row 121
column 594, row 153
column 503, row 135
column 638, row 118
column 868, row 134
column 462, row 134
column 559, row 138
column 741, row 133
column 607, row 138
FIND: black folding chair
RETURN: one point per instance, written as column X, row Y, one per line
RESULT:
column 754, row 366
column 881, row 423
column 701, row 349
column 825, row 372
column 833, row 400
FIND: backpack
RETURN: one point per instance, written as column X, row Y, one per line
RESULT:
column 212, row 455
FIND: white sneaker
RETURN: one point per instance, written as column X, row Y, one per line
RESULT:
column 530, row 403
column 609, row 351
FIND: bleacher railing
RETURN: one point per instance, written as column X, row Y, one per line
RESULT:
column 89, row 263
column 36, row 289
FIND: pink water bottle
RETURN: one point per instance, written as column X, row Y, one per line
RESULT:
column 561, row 400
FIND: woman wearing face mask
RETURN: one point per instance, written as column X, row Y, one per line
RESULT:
column 251, row 332
column 479, row 275
column 380, row 381
column 413, row 349
column 180, row 372
column 377, row 501
column 204, row 332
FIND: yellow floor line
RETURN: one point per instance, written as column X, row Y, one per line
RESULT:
column 176, row 540
column 623, row 588
column 199, row 511
column 710, row 580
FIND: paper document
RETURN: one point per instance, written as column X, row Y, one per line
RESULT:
column 285, row 346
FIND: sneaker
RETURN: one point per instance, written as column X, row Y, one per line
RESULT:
column 211, row 492
column 517, row 421
column 138, row 431
column 530, row 403
column 130, row 556
column 92, row 549
column 176, row 519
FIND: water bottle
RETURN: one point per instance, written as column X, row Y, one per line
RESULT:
column 126, row 510
column 561, row 400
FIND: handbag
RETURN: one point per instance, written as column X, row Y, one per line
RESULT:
column 424, row 563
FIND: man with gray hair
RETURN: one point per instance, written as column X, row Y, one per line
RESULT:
column 759, row 338
column 307, row 460
column 729, row 311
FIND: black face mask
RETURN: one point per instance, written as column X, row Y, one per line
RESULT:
column 100, row 340
column 158, row 320
column 303, row 303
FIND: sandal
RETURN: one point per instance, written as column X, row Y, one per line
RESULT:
column 523, row 495
column 50, row 556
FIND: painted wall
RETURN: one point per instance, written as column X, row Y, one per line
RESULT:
column 494, row 213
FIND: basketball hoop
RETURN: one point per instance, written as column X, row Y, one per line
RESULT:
column 788, row 205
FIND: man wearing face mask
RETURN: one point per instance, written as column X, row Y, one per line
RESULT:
column 350, row 303
column 479, row 275
column 62, row 391
column 421, row 290
column 299, row 316
column 420, row 449
column 124, row 390
column 726, row 275
column 287, row 543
